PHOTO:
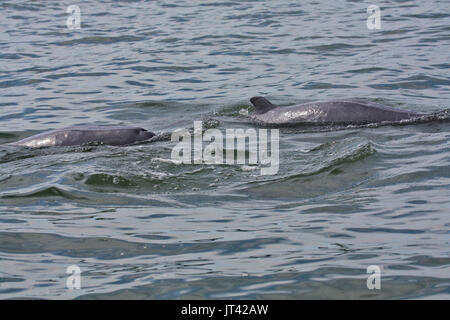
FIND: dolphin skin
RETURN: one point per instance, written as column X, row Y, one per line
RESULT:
column 327, row 112
column 110, row 135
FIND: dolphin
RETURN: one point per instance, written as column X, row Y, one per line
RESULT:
column 78, row 135
column 327, row 112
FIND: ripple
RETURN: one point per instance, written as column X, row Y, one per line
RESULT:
column 109, row 248
column 99, row 40
column 49, row 192
column 415, row 82
column 388, row 230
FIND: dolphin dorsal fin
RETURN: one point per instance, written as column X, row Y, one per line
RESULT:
column 262, row 105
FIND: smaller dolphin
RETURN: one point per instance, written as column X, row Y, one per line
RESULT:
column 71, row 136
column 327, row 112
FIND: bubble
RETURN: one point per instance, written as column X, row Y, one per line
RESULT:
column 243, row 112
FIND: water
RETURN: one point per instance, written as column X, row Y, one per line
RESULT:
column 141, row 226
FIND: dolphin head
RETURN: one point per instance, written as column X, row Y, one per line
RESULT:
column 143, row 134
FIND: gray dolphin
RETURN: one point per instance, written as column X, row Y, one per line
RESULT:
column 110, row 135
column 327, row 112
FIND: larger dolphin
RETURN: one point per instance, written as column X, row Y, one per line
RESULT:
column 327, row 112
column 110, row 135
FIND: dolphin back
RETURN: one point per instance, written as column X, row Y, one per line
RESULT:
column 328, row 112
column 110, row 135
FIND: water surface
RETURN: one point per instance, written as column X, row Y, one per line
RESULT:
column 141, row 226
